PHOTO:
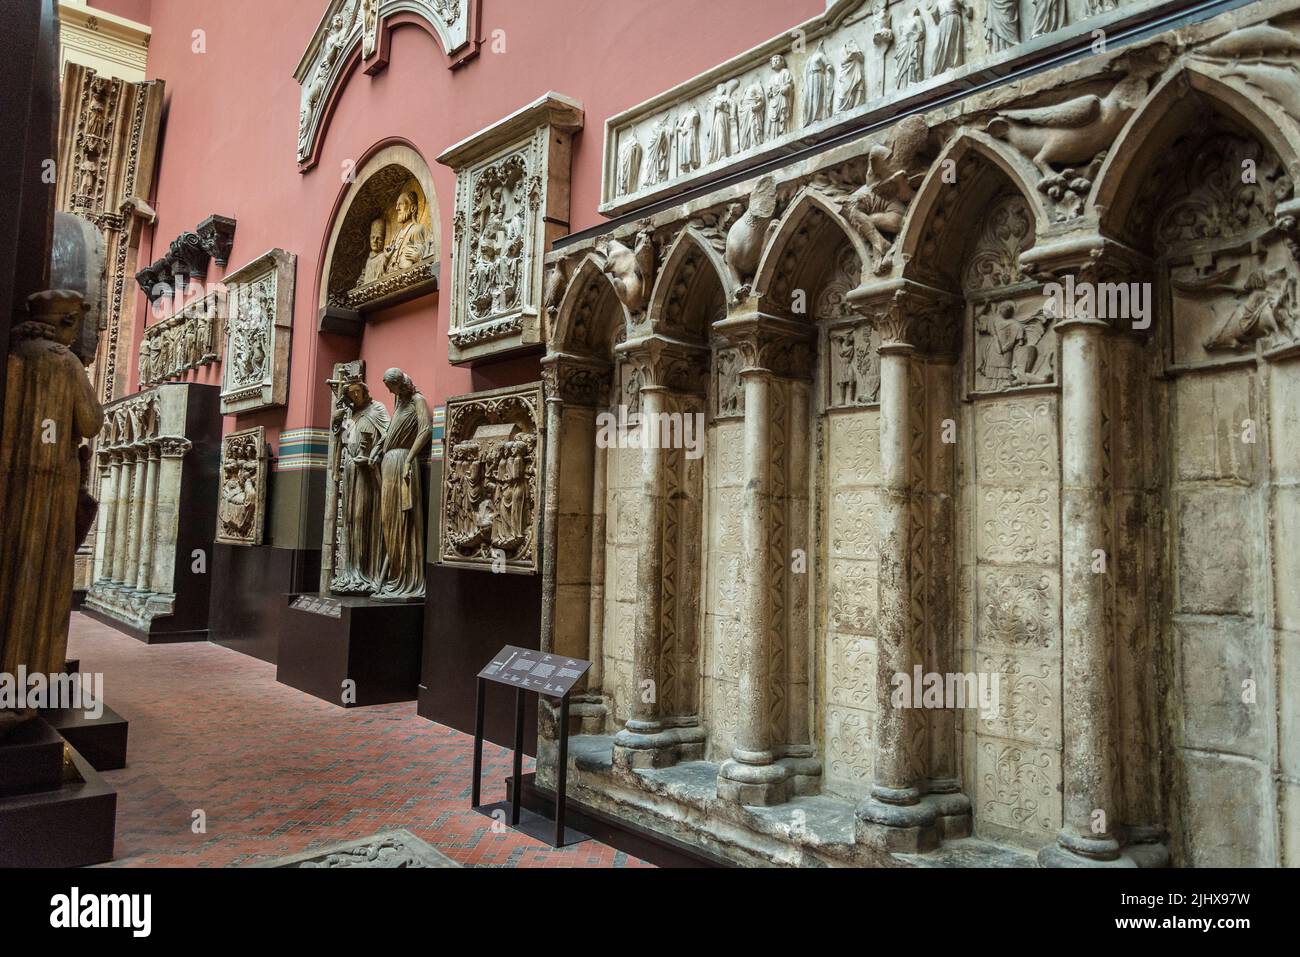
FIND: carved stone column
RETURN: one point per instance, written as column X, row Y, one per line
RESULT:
column 647, row 739
column 900, row 814
column 110, row 473
column 126, row 482
column 139, row 509
column 799, row 747
column 768, row 346
column 144, row 574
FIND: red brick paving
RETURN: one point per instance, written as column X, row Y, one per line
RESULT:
column 277, row 771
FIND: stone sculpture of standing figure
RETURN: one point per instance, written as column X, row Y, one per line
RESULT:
column 362, row 422
column 50, row 406
column 1002, row 24
column 780, row 99
column 1049, row 16
column 818, row 86
column 909, row 58
column 752, row 116
column 401, row 498
column 950, row 49
column 852, row 90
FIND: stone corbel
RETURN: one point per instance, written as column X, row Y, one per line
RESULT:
column 217, row 236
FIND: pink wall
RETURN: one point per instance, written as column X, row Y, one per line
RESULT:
column 137, row 10
column 231, row 126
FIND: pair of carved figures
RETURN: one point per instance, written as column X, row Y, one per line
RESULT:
column 381, row 525
column 407, row 248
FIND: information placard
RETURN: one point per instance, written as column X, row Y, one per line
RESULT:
column 553, row 675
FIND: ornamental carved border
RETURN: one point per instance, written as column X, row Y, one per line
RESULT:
column 492, row 480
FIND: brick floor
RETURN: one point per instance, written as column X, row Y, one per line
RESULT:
column 277, row 771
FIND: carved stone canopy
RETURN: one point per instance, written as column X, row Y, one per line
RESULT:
column 187, row 257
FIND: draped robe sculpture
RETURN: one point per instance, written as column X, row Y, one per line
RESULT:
column 363, row 422
column 401, row 498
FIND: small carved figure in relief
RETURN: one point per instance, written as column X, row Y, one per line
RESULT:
column 909, row 58
column 142, row 363
column 1265, row 309
column 248, row 345
column 687, row 146
column 852, row 91
column 1049, row 16
column 630, row 271
column 631, row 387
column 629, row 164
column 877, row 208
column 1011, row 350
column 377, row 261
column 1101, row 6
column 721, row 106
column 239, row 494
column 369, row 27
column 818, row 86
column 1002, row 24
column 361, row 423
column 659, row 152
column 97, row 111
column 844, row 379
column 950, row 17
column 409, row 245
column 401, row 501
column 748, row 234
column 752, row 116
column 780, row 99
column 48, row 396
column 729, row 387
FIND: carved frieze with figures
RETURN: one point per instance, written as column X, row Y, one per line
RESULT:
column 188, row 340
column 259, row 307
column 492, row 486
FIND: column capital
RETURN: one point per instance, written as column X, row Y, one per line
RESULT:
column 1088, row 281
column 574, row 379
column 910, row 316
column 770, row 344
column 663, row 362
column 173, row 446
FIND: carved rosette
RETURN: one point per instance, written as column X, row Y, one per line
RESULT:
column 492, row 486
column 242, row 488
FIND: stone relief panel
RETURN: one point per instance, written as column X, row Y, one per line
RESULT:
column 846, row 64
column 241, row 501
column 1017, row 795
column 347, row 24
column 492, row 487
column 192, row 338
column 259, row 323
column 512, row 201
column 385, row 250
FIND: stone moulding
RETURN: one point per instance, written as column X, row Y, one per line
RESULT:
column 242, row 488
column 512, row 201
column 353, row 32
column 259, row 323
column 492, row 486
column 836, row 71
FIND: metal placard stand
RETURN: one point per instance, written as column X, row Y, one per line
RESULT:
column 554, row 676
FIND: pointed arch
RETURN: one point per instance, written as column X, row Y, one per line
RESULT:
column 581, row 323
column 963, row 154
column 1169, row 110
column 787, row 249
column 688, row 252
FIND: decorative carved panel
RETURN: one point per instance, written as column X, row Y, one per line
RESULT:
column 512, row 200
column 259, row 308
column 188, row 340
column 492, row 486
column 241, row 502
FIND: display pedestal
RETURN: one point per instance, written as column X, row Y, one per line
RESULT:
column 101, row 741
column 52, row 814
column 326, row 640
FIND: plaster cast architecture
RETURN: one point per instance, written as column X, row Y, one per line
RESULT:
column 1002, row 392
column 352, row 31
column 144, row 463
column 491, row 483
column 241, row 507
column 183, row 342
column 258, row 327
column 512, row 201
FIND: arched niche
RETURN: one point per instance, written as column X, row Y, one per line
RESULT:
column 691, row 289
column 384, row 241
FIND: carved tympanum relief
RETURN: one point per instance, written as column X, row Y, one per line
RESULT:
column 188, row 340
column 259, row 321
column 386, row 249
column 347, row 24
column 843, row 65
column 242, row 487
column 491, row 487
column 512, row 200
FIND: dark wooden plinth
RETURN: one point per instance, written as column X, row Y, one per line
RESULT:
column 248, row 589
column 31, row 759
column 69, row 825
column 471, row 615
column 375, row 644
column 101, row 741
